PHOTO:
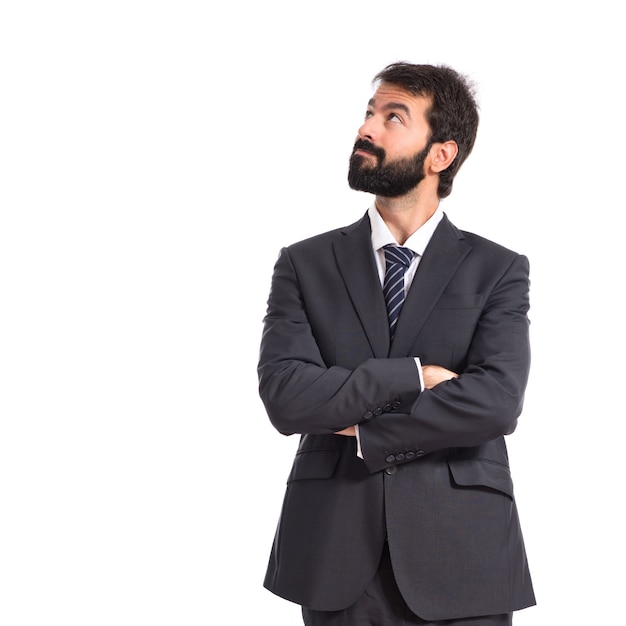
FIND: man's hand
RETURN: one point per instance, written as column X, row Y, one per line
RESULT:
column 435, row 374
column 348, row 432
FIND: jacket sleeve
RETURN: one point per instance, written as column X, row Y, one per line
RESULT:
column 301, row 393
column 483, row 403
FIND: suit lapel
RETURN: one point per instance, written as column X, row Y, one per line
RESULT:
column 441, row 259
column 357, row 266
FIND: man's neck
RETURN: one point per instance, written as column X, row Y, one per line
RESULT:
column 404, row 215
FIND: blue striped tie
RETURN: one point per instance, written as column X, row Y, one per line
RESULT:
column 397, row 260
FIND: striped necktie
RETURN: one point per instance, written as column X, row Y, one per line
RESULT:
column 397, row 260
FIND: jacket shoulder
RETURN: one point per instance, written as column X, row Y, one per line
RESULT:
column 481, row 244
column 315, row 242
column 477, row 241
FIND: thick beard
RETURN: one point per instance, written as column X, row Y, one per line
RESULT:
column 389, row 180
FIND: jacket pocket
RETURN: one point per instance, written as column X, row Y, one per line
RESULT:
column 317, row 463
column 481, row 473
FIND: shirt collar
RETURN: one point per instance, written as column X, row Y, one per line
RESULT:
column 381, row 235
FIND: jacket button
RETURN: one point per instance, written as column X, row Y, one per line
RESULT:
column 378, row 411
column 387, row 408
column 390, row 459
column 420, row 453
column 395, row 405
column 368, row 415
column 400, row 457
column 410, row 455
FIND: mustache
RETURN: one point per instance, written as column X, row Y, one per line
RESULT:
column 364, row 144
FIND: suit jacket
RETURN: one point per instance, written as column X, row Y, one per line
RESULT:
column 434, row 480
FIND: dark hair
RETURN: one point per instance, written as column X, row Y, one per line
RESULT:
column 453, row 114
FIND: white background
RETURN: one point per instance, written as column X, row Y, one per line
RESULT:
column 154, row 154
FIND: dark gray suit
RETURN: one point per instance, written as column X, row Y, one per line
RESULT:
column 435, row 477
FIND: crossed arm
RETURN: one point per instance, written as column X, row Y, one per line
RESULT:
column 303, row 394
column 432, row 375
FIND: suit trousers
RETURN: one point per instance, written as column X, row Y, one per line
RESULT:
column 382, row 604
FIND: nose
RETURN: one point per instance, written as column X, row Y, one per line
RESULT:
column 368, row 129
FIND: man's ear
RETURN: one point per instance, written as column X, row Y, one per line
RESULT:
column 442, row 154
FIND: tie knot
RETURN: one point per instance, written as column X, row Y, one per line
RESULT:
column 398, row 254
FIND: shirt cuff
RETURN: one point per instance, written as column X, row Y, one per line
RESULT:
column 418, row 363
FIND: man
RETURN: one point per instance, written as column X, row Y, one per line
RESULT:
column 399, row 507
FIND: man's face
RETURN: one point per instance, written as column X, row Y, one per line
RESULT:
column 392, row 145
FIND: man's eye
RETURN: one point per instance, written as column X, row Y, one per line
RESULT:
column 394, row 118
column 368, row 114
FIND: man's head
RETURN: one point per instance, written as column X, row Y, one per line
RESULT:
column 418, row 112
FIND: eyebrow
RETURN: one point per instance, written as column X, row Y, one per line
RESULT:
column 392, row 106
